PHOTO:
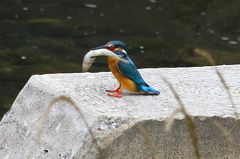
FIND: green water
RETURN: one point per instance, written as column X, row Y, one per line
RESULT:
column 38, row 37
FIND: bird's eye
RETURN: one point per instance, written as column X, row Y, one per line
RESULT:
column 115, row 45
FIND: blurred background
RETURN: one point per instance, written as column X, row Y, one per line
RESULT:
column 49, row 36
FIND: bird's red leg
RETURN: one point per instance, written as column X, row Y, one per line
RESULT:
column 116, row 95
column 117, row 90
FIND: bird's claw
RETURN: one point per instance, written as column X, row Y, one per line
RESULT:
column 115, row 95
column 117, row 90
column 112, row 90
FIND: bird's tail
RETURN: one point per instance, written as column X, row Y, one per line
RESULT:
column 148, row 90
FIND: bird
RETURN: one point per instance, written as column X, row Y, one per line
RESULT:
column 127, row 74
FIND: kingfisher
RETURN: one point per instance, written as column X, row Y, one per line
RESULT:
column 127, row 74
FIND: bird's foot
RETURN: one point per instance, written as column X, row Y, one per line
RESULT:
column 116, row 95
column 117, row 90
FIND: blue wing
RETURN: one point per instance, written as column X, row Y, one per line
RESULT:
column 130, row 71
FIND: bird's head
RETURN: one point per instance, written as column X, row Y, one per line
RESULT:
column 117, row 47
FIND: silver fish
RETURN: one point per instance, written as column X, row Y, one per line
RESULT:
column 91, row 55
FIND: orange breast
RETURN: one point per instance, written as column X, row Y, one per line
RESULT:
column 125, row 82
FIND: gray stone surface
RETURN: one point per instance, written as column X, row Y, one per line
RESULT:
column 113, row 120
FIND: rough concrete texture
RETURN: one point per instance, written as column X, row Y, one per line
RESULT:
column 113, row 120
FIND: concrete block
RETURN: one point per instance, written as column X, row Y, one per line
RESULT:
column 114, row 121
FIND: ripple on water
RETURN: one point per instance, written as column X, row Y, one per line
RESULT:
column 25, row 8
column 91, row 5
column 233, row 42
column 224, row 38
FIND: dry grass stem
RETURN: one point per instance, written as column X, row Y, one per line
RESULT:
column 206, row 55
column 189, row 120
column 171, row 118
column 229, row 137
column 211, row 61
column 46, row 112
column 145, row 134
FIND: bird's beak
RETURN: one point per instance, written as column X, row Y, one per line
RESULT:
column 99, row 47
